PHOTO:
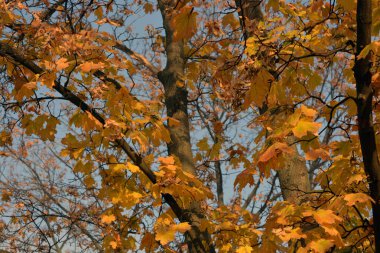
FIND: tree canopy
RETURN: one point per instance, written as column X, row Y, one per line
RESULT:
column 189, row 126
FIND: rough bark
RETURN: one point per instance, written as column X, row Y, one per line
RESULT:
column 176, row 96
column 176, row 106
column 219, row 183
column 364, row 104
column 294, row 177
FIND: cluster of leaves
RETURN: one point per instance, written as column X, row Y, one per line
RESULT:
column 85, row 128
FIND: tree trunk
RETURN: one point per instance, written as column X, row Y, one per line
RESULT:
column 176, row 106
column 294, row 177
column 364, row 104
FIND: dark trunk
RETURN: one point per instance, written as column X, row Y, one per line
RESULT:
column 364, row 104
column 219, row 183
column 176, row 106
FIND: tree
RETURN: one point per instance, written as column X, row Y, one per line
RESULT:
column 234, row 127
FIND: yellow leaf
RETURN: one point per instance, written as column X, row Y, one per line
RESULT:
column 244, row 249
column 182, row 227
column 303, row 127
column 203, row 145
column 259, row 89
column 107, row 219
column 277, row 94
column 184, row 23
column 308, row 112
column 252, row 46
column 77, row 152
column 226, row 248
column 373, row 47
column 294, row 118
column 165, row 236
column 118, row 167
column 356, row 179
column 132, row 168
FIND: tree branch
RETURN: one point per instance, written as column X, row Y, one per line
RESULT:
column 9, row 52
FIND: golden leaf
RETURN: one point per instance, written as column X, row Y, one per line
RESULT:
column 244, row 249
column 184, row 23
column 321, row 246
column 304, row 126
column 132, row 168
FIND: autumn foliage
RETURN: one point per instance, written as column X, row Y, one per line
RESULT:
column 189, row 126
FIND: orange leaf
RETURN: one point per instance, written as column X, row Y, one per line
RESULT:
column 244, row 178
column 182, row 227
column 62, row 64
column 113, row 244
column 314, row 154
column 354, row 198
column 88, row 66
column 107, row 219
column 275, row 150
column 323, row 216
